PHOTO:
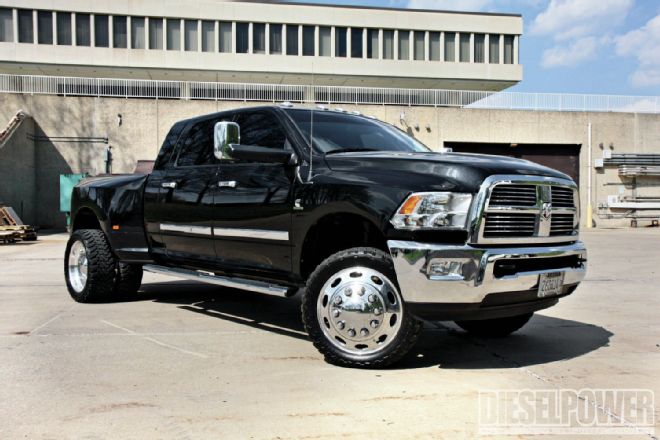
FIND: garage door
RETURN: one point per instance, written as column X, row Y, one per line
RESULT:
column 562, row 157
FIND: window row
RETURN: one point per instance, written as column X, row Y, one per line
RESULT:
column 66, row 28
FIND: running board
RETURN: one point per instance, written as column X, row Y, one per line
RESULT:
column 234, row 283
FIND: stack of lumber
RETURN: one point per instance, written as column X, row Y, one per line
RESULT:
column 12, row 227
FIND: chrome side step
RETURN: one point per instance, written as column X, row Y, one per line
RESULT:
column 211, row 278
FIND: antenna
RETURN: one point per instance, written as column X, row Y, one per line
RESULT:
column 311, row 132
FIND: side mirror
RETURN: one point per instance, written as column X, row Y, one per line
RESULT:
column 262, row 154
column 225, row 134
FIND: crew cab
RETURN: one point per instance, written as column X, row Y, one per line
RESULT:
column 374, row 229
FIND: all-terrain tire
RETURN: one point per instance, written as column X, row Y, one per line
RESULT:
column 374, row 259
column 495, row 328
column 99, row 283
column 128, row 280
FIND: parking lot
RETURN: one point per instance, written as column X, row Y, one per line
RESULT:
column 188, row 360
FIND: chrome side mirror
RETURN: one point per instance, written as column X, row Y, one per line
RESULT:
column 225, row 134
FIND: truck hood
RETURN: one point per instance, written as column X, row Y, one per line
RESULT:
column 434, row 171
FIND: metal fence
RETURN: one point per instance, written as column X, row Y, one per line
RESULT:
column 216, row 91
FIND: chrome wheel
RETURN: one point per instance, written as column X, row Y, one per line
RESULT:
column 360, row 311
column 77, row 266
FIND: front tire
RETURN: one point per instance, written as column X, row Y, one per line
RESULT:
column 495, row 328
column 354, row 313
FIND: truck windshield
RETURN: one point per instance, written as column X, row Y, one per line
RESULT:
column 336, row 132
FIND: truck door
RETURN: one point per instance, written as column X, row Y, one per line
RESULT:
column 184, row 215
column 253, row 203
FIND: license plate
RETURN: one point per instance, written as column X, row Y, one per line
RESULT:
column 550, row 284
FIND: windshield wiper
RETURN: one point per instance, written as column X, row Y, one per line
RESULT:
column 351, row 150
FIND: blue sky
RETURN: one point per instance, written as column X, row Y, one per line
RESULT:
column 573, row 46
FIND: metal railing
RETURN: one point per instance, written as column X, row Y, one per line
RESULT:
column 217, row 91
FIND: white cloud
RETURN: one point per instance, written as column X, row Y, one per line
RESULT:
column 578, row 28
column 643, row 44
column 576, row 52
column 564, row 19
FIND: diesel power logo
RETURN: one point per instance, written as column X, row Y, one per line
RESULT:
column 566, row 412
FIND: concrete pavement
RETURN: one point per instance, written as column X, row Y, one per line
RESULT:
column 188, row 361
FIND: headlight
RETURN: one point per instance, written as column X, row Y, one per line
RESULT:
column 433, row 210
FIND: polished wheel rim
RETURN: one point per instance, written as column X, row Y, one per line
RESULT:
column 359, row 310
column 78, row 266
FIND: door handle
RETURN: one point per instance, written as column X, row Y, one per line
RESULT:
column 171, row 185
column 227, row 184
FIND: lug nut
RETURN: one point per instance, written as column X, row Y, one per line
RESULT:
column 362, row 290
column 364, row 332
column 337, row 300
column 374, row 323
column 372, row 298
column 336, row 313
column 348, row 291
column 351, row 333
column 377, row 311
column 341, row 325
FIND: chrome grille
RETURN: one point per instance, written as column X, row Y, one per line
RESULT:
column 529, row 209
column 513, row 195
column 562, row 197
column 562, row 224
column 510, row 225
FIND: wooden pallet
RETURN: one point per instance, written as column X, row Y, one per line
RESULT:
column 12, row 227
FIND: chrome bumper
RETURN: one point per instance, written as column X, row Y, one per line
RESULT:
column 413, row 263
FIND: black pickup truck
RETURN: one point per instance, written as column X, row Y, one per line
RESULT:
column 376, row 230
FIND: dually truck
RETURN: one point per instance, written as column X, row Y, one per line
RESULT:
column 375, row 230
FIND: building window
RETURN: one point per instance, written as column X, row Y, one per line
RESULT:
column 208, row 36
column 190, row 35
column 258, row 38
column 450, row 47
column 372, row 43
column 494, row 49
column 464, row 48
column 63, row 28
column 25, row 29
column 388, row 45
column 508, row 49
column 434, row 46
column 292, row 39
column 356, row 42
column 479, row 48
column 101, row 31
column 225, row 37
column 83, row 30
column 325, row 41
column 242, row 37
column 45, row 27
column 6, row 25
column 420, row 38
column 309, row 40
column 275, row 37
column 404, row 45
column 173, row 34
column 137, row 33
column 340, row 42
column 119, row 32
column 156, row 33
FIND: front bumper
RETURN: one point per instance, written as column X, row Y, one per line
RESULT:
column 482, row 273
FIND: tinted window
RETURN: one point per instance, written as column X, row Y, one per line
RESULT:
column 164, row 159
column 261, row 129
column 334, row 132
column 197, row 145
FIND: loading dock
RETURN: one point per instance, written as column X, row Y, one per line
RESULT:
column 562, row 157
